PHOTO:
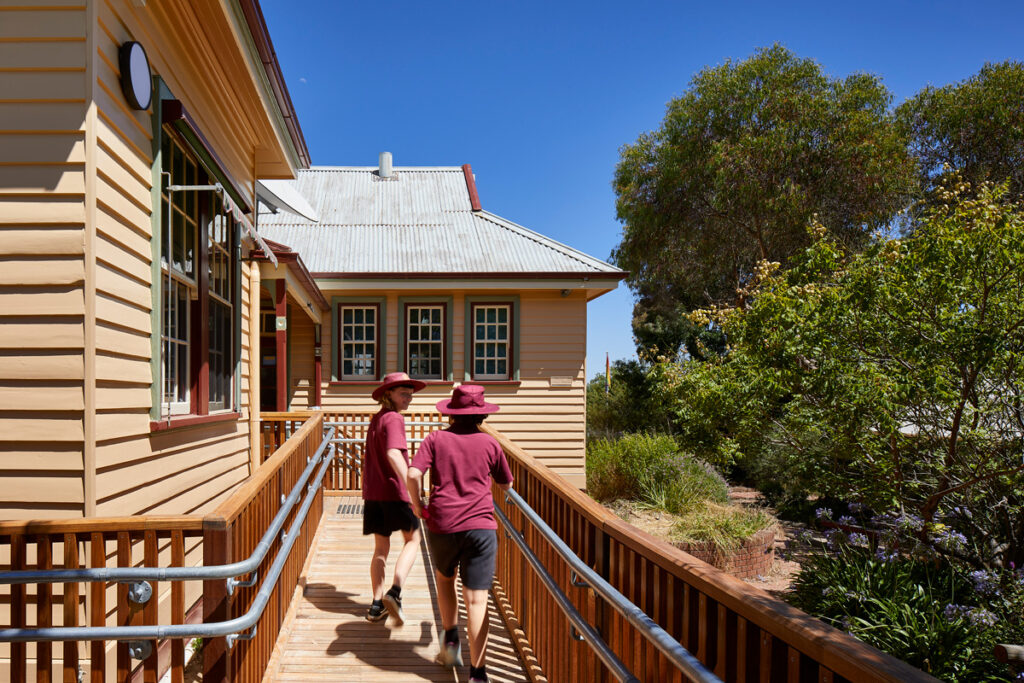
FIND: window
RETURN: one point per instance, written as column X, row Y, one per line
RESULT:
column 491, row 335
column 358, row 349
column 199, row 282
column 425, row 341
column 221, row 284
column 492, row 338
column 358, row 339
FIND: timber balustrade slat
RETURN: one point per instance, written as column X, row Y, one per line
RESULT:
column 125, row 617
column 44, row 610
column 793, row 668
column 766, row 657
column 688, row 611
column 664, row 601
column 97, row 606
column 651, row 596
column 70, row 647
column 722, row 646
column 702, row 627
column 741, row 650
column 19, row 651
column 151, row 611
column 177, row 608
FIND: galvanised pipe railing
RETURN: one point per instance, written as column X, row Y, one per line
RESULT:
column 588, row 632
column 222, row 571
column 209, row 630
column 676, row 653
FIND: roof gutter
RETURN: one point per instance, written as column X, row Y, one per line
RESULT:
column 261, row 37
column 517, row 275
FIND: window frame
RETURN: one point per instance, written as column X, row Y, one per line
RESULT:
column 471, row 329
column 447, row 331
column 431, row 326
column 210, row 217
column 358, row 377
column 337, row 304
column 472, row 302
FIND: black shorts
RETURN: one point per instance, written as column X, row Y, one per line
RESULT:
column 384, row 517
column 473, row 551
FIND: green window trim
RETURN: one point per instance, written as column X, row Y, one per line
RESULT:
column 511, row 300
column 157, row 277
column 447, row 303
column 337, row 302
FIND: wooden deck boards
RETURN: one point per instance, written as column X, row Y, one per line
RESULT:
column 326, row 636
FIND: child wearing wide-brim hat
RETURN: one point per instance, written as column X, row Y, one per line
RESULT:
column 386, row 506
column 461, row 529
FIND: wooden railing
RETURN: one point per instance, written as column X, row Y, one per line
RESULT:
column 231, row 533
column 227, row 534
column 737, row 630
column 93, row 543
column 345, row 473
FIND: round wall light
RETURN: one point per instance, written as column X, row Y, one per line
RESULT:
column 136, row 82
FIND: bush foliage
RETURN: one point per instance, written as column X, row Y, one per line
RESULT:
column 892, row 377
column 651, row 469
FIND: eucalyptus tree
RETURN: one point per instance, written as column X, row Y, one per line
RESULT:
column 973, row 129
column 741, row 163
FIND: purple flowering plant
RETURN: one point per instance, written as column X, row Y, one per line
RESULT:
column 913, row 599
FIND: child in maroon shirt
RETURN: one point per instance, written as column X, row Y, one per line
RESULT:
column 461, row 529
column 386, row 500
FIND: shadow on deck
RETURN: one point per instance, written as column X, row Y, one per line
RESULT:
column 326, row 637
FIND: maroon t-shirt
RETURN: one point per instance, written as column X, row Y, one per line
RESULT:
column 387, row 430
column 462, row 461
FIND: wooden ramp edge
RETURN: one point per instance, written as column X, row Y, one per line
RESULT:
column 325, row 636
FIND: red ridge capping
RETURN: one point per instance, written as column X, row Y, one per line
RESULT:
column 474, row 198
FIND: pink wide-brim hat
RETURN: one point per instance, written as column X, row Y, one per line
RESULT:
column 467, row 399
column 396, row 379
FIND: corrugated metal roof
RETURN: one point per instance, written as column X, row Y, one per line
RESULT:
column 419, row 221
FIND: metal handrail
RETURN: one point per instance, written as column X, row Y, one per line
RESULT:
column 221, row 571
column 589, row 633
column 210, row 630
column 340, row 439
column 666, row 644
column 366, row 423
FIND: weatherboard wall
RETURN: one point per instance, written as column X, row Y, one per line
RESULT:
column 43, row 110
column 76, row 286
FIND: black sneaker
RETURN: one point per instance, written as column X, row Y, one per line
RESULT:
column 394, row 607
column 376, row 612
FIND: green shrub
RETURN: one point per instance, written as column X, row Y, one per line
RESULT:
column 940, row 618
column 650, row 469
column 726, row 526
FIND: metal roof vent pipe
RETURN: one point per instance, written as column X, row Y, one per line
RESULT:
column 385, row 165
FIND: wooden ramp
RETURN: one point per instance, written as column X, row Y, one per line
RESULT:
column 326, row 637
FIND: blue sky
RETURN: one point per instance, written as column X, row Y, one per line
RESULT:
column 539, row 96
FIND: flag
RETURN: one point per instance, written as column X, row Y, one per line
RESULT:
column 607, row 374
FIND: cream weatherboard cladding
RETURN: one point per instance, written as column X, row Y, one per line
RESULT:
column 43, row 153
column 76, row 229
